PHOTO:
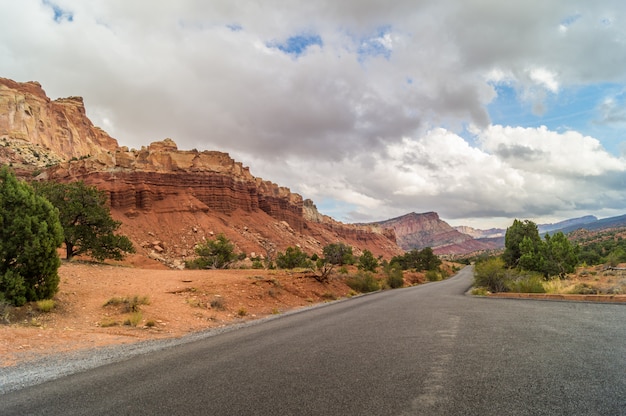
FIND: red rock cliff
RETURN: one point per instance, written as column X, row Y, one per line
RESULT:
column 37, row 131
column 163, row 194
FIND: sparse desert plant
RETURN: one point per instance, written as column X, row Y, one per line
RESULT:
column 129, row 304
column 107, row 323
column 584, row 289
column 150, row 323
column 480, row 291
column 45, row 305
column 5, row 312
column 363, row 282
column 218, row 303
column 329, row 296
column 558, row 286
column 242, row 312
column 134, row 319
column 194, row 302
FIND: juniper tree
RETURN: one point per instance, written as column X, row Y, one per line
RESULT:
column 30, row 233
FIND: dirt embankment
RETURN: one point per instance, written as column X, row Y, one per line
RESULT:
column 162, row 303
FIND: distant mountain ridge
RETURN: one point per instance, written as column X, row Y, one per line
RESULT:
column 572, row 223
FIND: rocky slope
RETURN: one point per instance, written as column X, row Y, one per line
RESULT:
column 167, row 199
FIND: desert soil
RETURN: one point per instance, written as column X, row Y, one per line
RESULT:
column 180, row 302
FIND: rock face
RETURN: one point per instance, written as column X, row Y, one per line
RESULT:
column 417, row 231
column 136, row 180
column 167, row 199
column 36, row 131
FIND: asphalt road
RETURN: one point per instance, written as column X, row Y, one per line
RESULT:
column 426, row 350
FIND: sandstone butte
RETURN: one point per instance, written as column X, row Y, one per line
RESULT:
column 167, row 199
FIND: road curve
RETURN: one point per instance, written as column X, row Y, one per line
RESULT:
column 425, row 350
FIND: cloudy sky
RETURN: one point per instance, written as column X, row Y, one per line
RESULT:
column 480, row 110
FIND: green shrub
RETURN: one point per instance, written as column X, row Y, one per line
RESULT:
column 213, row 254
column 532, row 283
column 433, row 276
column 30, row 232
column 492, row 275
column 363, row 282
column 338, row 254
column 368, row 262
column 395, row 278
column 293, row 258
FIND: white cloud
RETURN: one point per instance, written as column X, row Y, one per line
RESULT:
column 357, row 124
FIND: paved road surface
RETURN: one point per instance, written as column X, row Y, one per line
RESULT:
column 426, row 350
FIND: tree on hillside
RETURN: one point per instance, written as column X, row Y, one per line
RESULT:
column 30, row 234
column 368, row 262
column 524, row 249
column 86, row 220
column 292, row 258
column 213, row 254
column 419, row 260
column 561, row 257
column 338, row 254
column 514, row 237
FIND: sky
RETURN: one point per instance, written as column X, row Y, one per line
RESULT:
column 480, row 110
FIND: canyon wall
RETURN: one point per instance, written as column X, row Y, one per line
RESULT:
column 167, row 199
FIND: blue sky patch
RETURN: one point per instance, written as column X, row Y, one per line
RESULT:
column 597, row 110
column 376, row 44
column 296, row 45
column 59, row 14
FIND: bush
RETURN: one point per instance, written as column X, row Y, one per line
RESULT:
column 30, row 233
column 293, row 258
column 368, row 262
column 363, row 282
column 491, row 275
column 338, row 253
column 45, row 305
column 213, row 254
column 395, row 277
column 532, row 283
column 433, row 276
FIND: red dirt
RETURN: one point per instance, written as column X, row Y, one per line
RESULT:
column 179, row 303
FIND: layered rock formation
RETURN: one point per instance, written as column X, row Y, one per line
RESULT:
column 136, row 180
column 167, row 199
